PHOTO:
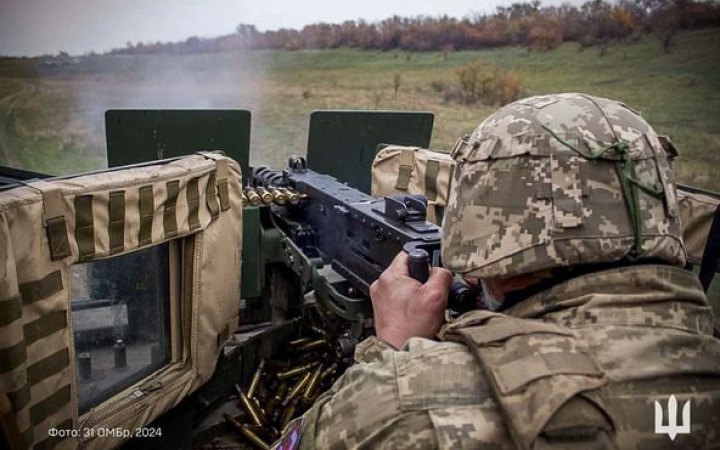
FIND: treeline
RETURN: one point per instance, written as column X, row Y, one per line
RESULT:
column 527, row 24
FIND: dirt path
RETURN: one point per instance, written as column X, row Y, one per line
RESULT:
column 7, row 104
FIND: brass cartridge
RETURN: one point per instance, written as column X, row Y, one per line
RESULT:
column 249, row 407
column 265, row 195
column 255, row 380
column 289, row 413
column 312, row 384
column 297, row 388
column 292, row 196
column 295, row 371
column 278, row 196
column 253, row 438
column 253, row 197
column 327, row 372
column 314, row 345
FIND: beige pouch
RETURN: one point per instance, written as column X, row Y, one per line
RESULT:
column 696, row 216
column 413, row 170
column 148, row 256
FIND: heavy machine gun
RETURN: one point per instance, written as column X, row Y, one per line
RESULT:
column 353, row 234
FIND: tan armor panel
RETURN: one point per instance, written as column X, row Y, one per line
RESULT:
column 412, row 170
column 50, row 229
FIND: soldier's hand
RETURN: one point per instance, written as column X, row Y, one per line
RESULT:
column 403, row 307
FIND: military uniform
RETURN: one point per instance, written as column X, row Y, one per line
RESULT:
column 575, row 191
column 628, row 337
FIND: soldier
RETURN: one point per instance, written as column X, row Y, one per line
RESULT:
column 592, row 335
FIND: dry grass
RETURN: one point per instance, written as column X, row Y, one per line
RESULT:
column 58, row 127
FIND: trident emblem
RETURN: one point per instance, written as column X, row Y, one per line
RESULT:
column 672, row 429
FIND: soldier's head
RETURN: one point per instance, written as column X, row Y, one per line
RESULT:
column 558, row 181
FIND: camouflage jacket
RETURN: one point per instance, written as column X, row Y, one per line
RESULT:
column 580, row 364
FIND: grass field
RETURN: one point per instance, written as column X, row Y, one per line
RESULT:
column 51, row 117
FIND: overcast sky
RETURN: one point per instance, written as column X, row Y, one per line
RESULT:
column 34, row 27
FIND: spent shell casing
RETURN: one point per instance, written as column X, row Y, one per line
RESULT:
column 300, row 341
column 313, row 345
column 265, row 196
column 289, row 413
column 255, row 380
column 295, row 371
column 255, row 440
column 253, row 197
column 299, row 386
column 279, row 197
column 318, row 331
column 232, row 422
column 313, row 383
column 329, row 371
column 280, row 393
column 249, row 407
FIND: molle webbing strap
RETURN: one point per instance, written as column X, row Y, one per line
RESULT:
column 10, row 310
column 50, row 405
column 55, row 222
column 20, row 398
column 33, row 291
column 147, row 209
column 36, row 373
column 116, row 214
column 44, row 326
column 169, row 211
column 431, row 179
column 12, row 357
column 211, row 196
column 223, row 192
column 84, row 227
column 222, row 173
column 407, row 161
column 48, row 366
column 193, row 201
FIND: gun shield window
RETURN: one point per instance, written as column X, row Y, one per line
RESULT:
column 121, row 321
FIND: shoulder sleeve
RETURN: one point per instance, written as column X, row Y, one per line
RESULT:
column 371, row 350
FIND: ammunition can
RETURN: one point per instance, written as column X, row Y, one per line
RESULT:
column 249, row 407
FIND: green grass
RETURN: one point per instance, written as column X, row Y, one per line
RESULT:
column 58, row 126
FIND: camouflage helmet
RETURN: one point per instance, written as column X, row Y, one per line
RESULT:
column 560, row 180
